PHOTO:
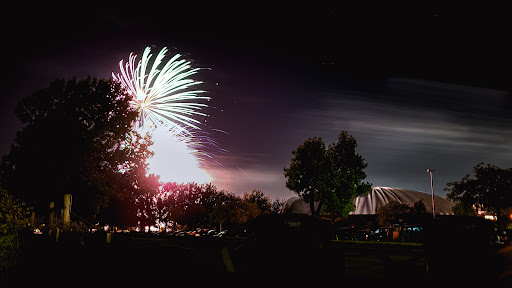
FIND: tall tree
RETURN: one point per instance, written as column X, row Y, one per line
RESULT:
column 331, row 177
column 77, row 138
column 225, row 204
column 258, row 197
column 489, row 190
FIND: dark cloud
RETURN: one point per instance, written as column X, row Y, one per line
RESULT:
column 401, row 138
column 419, row 87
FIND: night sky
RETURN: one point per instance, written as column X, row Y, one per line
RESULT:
column 418, row 87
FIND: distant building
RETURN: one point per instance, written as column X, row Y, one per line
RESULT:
column 380, row 196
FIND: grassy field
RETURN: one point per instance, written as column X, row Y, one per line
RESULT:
column 380, row 260
column 142, row 255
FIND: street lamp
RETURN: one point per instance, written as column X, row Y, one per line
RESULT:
column 432, row 189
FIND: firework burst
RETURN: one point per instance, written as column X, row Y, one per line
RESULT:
column 163, row 96
column 168, row 108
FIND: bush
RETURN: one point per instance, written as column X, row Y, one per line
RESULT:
column 13, row 217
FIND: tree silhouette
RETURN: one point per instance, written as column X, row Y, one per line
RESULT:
column 202, row 205
column 489, row 189
column 77, row 139
column 331, row 177
column 393, row 211
column 258, row 197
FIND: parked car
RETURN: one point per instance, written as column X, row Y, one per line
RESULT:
column 221, row 234
column 364, row 234
column 344, row 233
column 193, row 234
column 383, row 234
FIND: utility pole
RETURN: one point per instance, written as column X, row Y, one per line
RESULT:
column 432, row 189
column 66, row 213
column 51, row 218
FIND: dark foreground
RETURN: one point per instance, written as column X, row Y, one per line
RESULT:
column 139, row 255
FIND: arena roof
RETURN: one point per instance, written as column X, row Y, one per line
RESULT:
column 380, row 196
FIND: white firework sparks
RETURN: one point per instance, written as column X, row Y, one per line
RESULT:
column 163, row 96
column 168, row 109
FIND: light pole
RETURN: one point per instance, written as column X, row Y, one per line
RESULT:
column 432, row 189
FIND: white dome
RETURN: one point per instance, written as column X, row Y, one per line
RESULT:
column 380, row 196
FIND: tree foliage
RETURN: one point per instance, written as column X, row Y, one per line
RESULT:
column 258, row 197
column 331, row 176
column 201, row 205
column 77, row 139
column 13, row 217
column 488, row 189
column 393, row 211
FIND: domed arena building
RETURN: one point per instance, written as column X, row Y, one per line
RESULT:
column 380, row 196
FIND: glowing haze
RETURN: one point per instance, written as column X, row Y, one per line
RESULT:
column 174, row 159
column 168, row 110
